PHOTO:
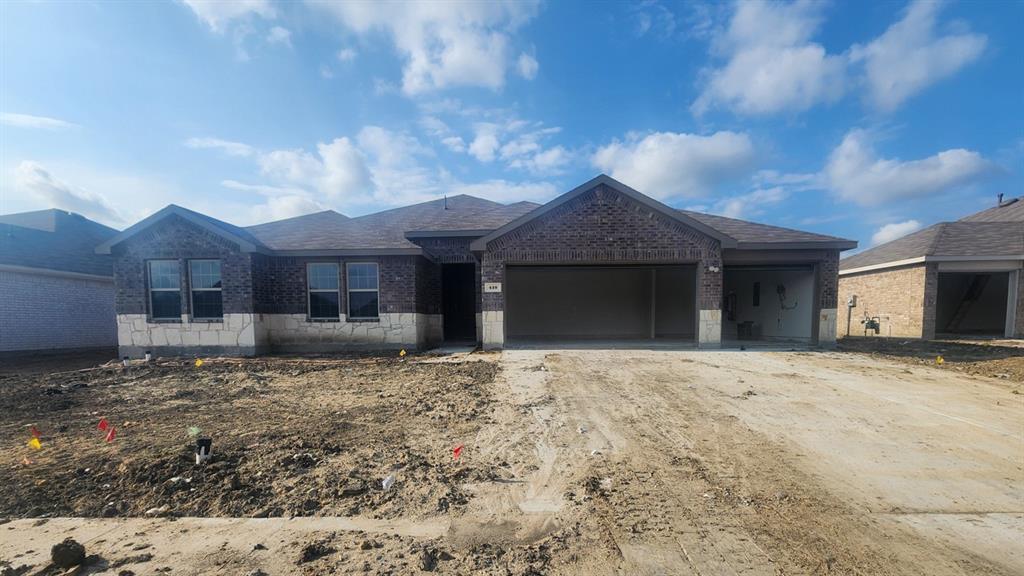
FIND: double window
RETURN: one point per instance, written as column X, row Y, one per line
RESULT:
column 205, row 289
column 324, row 294
column 363, row 290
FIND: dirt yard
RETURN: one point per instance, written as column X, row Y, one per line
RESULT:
column 574, row 462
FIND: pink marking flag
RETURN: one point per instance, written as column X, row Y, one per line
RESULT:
column 457, row 451
column 35, row 432
column 111, row 434
column 103, row 425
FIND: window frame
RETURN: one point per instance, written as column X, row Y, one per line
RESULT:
column 349, row 290
column 310, row 290
column 150, row 290
column 192, row 290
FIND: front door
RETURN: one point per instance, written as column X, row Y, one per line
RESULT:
column 458, row 291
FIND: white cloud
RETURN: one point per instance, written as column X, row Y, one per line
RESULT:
column 218, row 13
column 460, row 44
column 751, row 204
column 454, row 143
column 485, row 143
column 347, row 55
column 36, row 180
column 326, row 72
column 668, row 165
column 890, row 232
column 226, row 146
column 279, row 35
column 856, row 173
column 527, row 66
column 338, row 170
column 280, row 202
column 772, row 64
column 30, row 121
column 908, row 57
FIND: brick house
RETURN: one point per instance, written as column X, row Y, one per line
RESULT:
column 56, row 293
column 953, row 279
column 602, row 261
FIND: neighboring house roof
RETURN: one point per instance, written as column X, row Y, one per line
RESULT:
column 54, row 240
column 391, row 231
column 996, row 233
column 1011, row 210
column 962, row 240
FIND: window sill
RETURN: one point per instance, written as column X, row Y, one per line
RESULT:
column 206, row 320
column 323, row 320
column 364, row 320
column 163, row 320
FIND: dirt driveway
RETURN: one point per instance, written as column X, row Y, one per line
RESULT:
column 678, row 462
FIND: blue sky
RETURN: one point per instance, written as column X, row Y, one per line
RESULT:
column 865, row 120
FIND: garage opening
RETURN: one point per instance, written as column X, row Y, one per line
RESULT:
column 770, row 304
column 546, row 303
column 971, row 304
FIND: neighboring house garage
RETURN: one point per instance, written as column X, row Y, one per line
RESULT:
column 953, row 279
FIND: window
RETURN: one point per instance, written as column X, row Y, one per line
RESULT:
column 164, row 290
column 362, row 290
column 207, row 302
column 324, row 297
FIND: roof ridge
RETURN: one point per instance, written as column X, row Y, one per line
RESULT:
column 941, row 228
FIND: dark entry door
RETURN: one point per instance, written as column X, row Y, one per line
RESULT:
column 458, row 291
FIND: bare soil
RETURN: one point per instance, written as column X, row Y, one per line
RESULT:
column 1002, row 359
column 574, row 462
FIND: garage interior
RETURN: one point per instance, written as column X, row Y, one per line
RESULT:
column 971, row 304
column 591, row 303
column 768, row 304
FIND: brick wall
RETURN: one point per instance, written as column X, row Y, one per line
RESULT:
column 603, row 226
column 828, row 278
column 897, row 294
column 176, row 238
column 47, row 312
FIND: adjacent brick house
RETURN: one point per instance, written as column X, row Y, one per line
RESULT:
column 958, row 279
column 602, row 261
column 56, row 293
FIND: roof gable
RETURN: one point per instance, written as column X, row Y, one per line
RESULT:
column 674, row 215
column 245, row 240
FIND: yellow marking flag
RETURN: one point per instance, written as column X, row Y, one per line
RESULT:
column 402, row 353
column 199, row 362
column 939, row 360
column 35, row 444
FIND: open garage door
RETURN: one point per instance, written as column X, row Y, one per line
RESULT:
column 771, row 304
column 972, row 304
column 600, row 303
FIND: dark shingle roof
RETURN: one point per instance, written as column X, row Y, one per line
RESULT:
column 55, row 240
column 292, row 231
column 387, row 229
column 747, row 232
column 967, row 239
column 1010, row 211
